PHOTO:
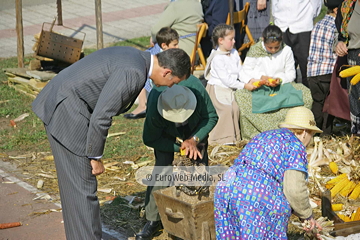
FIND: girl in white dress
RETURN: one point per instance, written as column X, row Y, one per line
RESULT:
column 222, row 72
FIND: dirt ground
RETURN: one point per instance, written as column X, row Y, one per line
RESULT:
column 120, row 195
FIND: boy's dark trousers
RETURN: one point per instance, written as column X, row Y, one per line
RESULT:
column 319, row 87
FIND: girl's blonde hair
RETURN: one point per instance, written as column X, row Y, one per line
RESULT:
column 220, row 31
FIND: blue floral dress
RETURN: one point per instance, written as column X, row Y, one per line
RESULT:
column 250, row 203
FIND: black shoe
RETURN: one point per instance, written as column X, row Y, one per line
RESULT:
column 150, row 230
column 135, row 116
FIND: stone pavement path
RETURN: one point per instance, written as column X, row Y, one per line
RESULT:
column 123, row 19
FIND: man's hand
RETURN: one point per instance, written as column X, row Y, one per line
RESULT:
column 191, row 149
column 97, row 167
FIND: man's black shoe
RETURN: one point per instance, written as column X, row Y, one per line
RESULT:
column 150, row 230
column 135, row 116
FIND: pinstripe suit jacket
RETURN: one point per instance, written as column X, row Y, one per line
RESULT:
column 78, row 104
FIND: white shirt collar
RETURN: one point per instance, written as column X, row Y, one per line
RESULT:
column 151, row 66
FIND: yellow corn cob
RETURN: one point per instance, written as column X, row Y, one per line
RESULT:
column 339, row 186
column 331, row 183
column 347, row 189
column 344, row 218
column 183, row 152
column 355, row 79
column 352, row 216
column 257, row 84
column 356, row 216
column 337, row 207
column 350, row 72
column 341, row 216
column 355, row 193
column 333, row 167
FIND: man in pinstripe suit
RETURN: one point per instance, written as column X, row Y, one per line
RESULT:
column 77, row 107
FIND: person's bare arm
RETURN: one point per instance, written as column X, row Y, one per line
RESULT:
column 261, row 5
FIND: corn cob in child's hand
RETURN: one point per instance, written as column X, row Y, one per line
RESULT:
column 259, row 83
column 272, row 80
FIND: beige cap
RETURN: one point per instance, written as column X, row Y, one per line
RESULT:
column 176, row 104
column 300, row 118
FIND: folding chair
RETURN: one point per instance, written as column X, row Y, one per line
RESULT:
column 240, row 17
column 202, row 28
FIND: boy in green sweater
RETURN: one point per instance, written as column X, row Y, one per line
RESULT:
column 183, row 111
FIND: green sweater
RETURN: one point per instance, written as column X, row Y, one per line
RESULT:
column 161, row 134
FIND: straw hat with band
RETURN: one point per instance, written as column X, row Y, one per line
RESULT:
column 300, row 118
column 176, row 104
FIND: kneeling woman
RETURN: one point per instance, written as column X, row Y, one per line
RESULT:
column 267, row 182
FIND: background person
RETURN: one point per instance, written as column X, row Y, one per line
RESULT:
column 296, row 20
column 267, row 182
column 347, row 23
column 183, row 16
column 216, row 13
column 258, row 17
column 77, row 107
column 184, row 111
column 321, row 64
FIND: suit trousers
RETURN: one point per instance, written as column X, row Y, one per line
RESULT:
column 300, row 44
column 164, row 159
column 78, row 186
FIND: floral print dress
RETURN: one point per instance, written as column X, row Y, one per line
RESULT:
column 250, row 203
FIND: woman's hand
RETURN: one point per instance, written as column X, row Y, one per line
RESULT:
column 341, row 49
column 261, row 5
column 311, row 226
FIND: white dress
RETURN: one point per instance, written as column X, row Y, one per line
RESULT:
column 279, row 65
column 222, row 73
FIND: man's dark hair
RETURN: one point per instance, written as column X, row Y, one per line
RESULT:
column 166, row 35
column 176, row 60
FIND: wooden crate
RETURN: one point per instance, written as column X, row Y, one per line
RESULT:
column 186, row 217
column 341, row 228
column 59, row 47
